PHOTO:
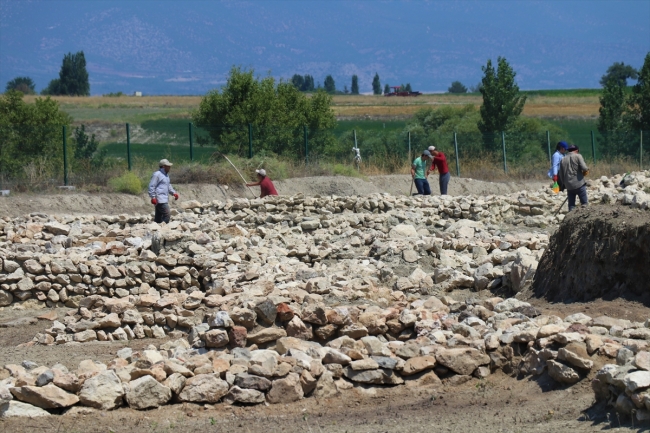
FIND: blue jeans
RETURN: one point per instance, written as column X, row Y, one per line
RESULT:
column 422, row 186
column 443, row 180
column 581, row 193
column 162, row 213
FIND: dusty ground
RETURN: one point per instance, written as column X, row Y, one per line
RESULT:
column 499, row 403
column 76, row 202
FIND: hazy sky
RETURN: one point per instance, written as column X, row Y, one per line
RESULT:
column 178, row 47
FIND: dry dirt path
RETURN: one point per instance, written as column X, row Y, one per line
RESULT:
column 87, row 203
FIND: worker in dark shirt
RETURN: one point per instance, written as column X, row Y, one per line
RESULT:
column 440, row 162
column 265, row 184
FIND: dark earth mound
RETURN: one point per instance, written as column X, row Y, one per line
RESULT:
column 597, row 252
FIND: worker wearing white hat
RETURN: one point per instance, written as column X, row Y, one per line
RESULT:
column 160, row 188
column 265, row 184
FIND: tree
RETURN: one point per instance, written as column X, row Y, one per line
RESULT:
column 298, row 81
column 85, row 146
column 354, row 89
column 408, row 88
column 278, row 112
column 610, row 120
column 345, row 89
column 637, row 116
column 29, row 132
column 22, row 84
column 502, row 103
column 308, row 85
column 303, row 83
column 330, row 86
column 376, row 85
column 457, row 87
column 73, row 77
column 53, row 87
column 386, row 89
column 619, row 72
column 612, row 107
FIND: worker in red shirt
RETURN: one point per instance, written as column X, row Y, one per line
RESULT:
column 440, row 162
column 265, row 184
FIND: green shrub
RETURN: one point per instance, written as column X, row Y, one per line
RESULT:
column 128, row 183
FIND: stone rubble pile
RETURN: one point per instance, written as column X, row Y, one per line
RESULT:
column 61, row 260
column 457, row 341
column 277, row 299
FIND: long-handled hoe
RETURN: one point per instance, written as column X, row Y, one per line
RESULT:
column 240, row 175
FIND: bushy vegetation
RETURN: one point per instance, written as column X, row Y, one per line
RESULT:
column 22, row 84
column 30, row 132
column 277, row 112
column 128, row 183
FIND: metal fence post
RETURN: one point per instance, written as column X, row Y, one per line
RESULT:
column 128, row 146
column 355, row 138
column 548, row 143
column 503, row 141
column 641, row 151
column 304, row 132
column 250, row 140
column 593, row 146
column 191, row 143
column 65, row 157
column 456, row 149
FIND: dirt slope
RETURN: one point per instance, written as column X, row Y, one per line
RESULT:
column 597, row 252
column 77, row 202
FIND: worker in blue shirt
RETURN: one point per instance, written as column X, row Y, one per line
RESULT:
column 160, row 188
column 560, row 151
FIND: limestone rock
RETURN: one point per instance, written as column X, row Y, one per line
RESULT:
column 47, row 397
column 103, row 391
column 462, row 360
column 146, row 392
column 13, row 409
column 561, row 373
column 286, row 390
column 203, row 388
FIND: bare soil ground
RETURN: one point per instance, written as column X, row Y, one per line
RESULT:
column 79, row 202
column 500, row 403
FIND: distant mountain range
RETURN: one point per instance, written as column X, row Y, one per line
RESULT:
column 188, row 47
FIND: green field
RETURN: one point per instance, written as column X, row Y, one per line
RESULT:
column 579, row 130
column 156, row 152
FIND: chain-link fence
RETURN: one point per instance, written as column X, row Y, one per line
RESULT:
column 54, row 156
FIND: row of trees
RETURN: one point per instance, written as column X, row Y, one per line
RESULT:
column 72, row 81
column 623, row 114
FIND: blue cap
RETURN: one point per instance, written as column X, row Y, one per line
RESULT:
column 563, row 144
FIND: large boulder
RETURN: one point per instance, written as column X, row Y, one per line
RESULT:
column 11, row 409
column 403, row 231
column 146, row 392
column 286, row 390
column 462, row 360
column 562, row 373
column 204, row 388
column 246, row 396
column 102, row 391
column 47, row 397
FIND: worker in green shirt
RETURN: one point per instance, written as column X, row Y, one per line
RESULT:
column 420, row 171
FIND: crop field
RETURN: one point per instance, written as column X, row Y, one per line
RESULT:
column 579, row 103
column 159, row 124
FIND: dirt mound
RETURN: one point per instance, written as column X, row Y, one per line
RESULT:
column 597, row 252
